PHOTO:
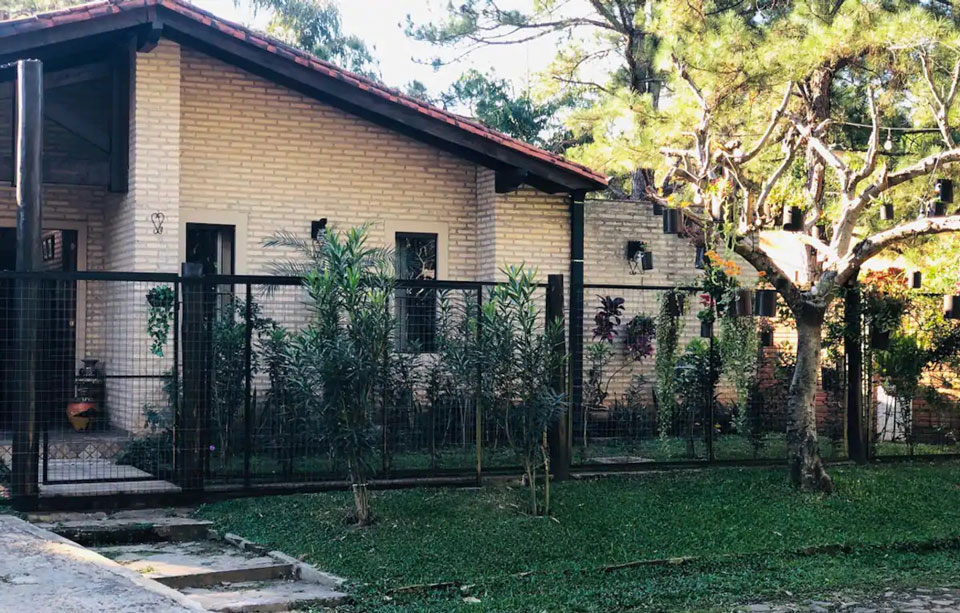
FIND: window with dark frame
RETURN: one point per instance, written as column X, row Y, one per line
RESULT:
column 416, row 260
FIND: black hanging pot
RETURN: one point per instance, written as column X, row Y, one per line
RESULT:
column 879, row 338
column 742, row 304
column 701, row 260
column 657, row 208
column 671, row 221
column 886, row 211
column 951, row 307
column 765, row 303
column 792, row 219
column 916, row 279
column 766, row 338
column 937, row 209
column 646, row 260
column 706, row 329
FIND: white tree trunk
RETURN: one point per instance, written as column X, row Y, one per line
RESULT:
column 806, row 467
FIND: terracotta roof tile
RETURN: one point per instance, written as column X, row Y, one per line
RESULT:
column 102, row 8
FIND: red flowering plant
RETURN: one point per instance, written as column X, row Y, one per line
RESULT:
column 640, row 332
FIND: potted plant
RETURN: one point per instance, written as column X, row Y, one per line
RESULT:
column 707, row 315
column 657, row 208
column 671, row 221
column 160, row 300
column 766, row 333
column 792, row 219
column 640, row 332
column 765, row 303
column 740, row 302
column 886, row 211
column 951, row 307
column 700, row 261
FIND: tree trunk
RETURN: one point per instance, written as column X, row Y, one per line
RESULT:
column 361, row 497
column 806, row 468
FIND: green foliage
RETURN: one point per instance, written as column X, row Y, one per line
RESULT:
column 738, row 349
column 668, row 330
column 523, row 394
column 13, row 9
column 339, row 360
column 160, row 301
column 467, row 537
column 315, row 27
column 496, row 105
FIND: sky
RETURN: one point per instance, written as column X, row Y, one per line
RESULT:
column 381, row 24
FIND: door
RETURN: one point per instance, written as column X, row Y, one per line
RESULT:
column 56, row 313
column 8, row 262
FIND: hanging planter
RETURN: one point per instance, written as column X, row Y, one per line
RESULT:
column 671, row 221
column 879, row 338
column 674, row 302
column 701, row 260
column 937, row 209
column 792, row 219
column 951, row 307
column 657, row 208
column 766, row 335
column 886, row 211
column 741, row 305
column 765, row 303
column 706, row 329
column 916, row 279
column 944, row 189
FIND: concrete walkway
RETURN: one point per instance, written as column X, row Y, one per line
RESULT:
column 45, row 573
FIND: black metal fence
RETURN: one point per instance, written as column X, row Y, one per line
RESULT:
column 184, row 389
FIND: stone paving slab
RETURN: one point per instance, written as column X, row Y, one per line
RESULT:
column 920, row 600
column 45, row 573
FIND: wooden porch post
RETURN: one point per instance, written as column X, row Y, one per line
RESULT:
column 29, row 184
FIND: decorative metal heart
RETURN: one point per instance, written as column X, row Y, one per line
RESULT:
column 157, row 219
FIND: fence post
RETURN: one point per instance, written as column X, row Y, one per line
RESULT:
column 558, row 436
column 247, row 383
column 196, row 379
column 576, row 305
column 478, row 415
column 856, row 444
column 29, row 183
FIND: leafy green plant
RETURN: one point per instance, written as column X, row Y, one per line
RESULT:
column 668, row 330
column 640, row 332
column 697, row 371
column 160, row 301
column 339, row 360
column 525, row 399
column 739, row 354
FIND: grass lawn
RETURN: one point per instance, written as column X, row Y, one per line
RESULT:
column 482, row 539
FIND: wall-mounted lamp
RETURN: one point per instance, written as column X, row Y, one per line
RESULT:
column 317, row 227
column 638, row 257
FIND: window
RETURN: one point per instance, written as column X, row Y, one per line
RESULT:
column 416, row 254
column 211, row 246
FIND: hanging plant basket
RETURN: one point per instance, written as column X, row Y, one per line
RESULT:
column 742, row 304
column 765, row 303
column 657, row 208
column 706, row 329
column 879, row 338
column 886, row 211
column 916, row 279
column 792, row 219
column 701, row 259
column 671, row 221
column 951, row 307
column 766, row 337
column 674, row 303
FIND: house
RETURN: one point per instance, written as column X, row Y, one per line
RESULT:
column 172, row 136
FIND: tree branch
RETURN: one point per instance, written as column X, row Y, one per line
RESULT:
column 871, row 246
column 774, row 119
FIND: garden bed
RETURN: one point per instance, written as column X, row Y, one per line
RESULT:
column 745, row 527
